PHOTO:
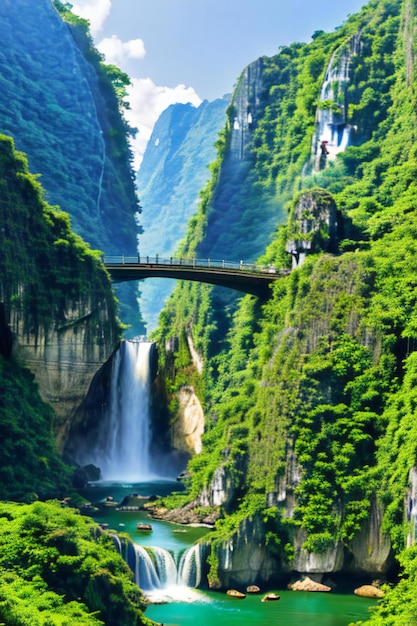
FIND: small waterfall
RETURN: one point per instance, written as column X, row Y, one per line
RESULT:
column 165, row 566
column 146, row 576
column 122, row 450
column 159, row 576
column 189, row 570
column 117, row 543
column 333, row 133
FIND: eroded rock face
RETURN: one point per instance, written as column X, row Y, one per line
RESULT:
column 313, row 225
column 220, row 490
column 371, row 548
column 65, row 358
column 189, row 426
column 310, row 563
column 246, row 557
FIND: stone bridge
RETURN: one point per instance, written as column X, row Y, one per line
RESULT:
column 245, row 277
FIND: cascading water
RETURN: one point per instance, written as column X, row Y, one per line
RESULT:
column 158, row 575
column 333, row 133
column 122, row 450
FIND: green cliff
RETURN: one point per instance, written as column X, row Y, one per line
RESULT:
column 309, row 446
column 64, row 108
column 57, row 314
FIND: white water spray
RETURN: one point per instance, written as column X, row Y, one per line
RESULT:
column 123, row 449
column 159, row 576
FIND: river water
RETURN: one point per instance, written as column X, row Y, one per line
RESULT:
column 191, row 607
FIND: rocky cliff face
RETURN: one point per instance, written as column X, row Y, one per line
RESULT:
column 314, row 225
column 188, row 428
column 57, row 309
column 246, row 558
column 65, row 358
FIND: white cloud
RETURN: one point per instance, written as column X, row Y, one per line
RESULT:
column 117, row 51
column 147, row 101
column 96, row 11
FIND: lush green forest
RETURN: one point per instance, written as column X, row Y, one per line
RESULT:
column 325, row 370
column 58, row 568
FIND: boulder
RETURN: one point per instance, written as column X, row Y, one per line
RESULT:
column 84, row 475
column 253, row 589
column 306, row 584
column 233, row 593
column 369, row 591
column 270, row 597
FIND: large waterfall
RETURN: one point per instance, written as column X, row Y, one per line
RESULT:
column 122, row 449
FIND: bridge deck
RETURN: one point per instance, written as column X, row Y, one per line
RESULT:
column 245, row 277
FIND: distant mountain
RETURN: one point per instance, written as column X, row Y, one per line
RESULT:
column 174, row 170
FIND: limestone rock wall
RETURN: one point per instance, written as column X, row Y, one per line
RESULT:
column 245, row 559
column 65, row 358
column 188, row 428
column 371, row 548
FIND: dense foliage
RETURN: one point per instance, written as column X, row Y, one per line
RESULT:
column 30, row 466
column 322, row 376
column 64, row 108
column 44, row 265
column 58, row 568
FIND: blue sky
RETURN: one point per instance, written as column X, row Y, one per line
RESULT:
column 189, row 50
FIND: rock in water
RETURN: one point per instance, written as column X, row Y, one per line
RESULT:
column 369, row 591
column 306, row 584
column 233, row 593
column 270, row 597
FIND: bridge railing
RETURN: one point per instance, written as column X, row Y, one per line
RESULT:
column 190, row 262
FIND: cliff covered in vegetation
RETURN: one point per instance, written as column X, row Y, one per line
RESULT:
column 310, row 418
column 57, row 317
column 63, row 106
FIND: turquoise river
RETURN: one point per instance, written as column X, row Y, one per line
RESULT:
column 191, row 607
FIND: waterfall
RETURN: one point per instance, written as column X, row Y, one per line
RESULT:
column 333, row 133
column 159, row 575
column 122, row 449
column 146, row 576
column 189, row 570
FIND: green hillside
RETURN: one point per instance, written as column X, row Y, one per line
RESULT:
column 324, row 371
column 64, row 108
